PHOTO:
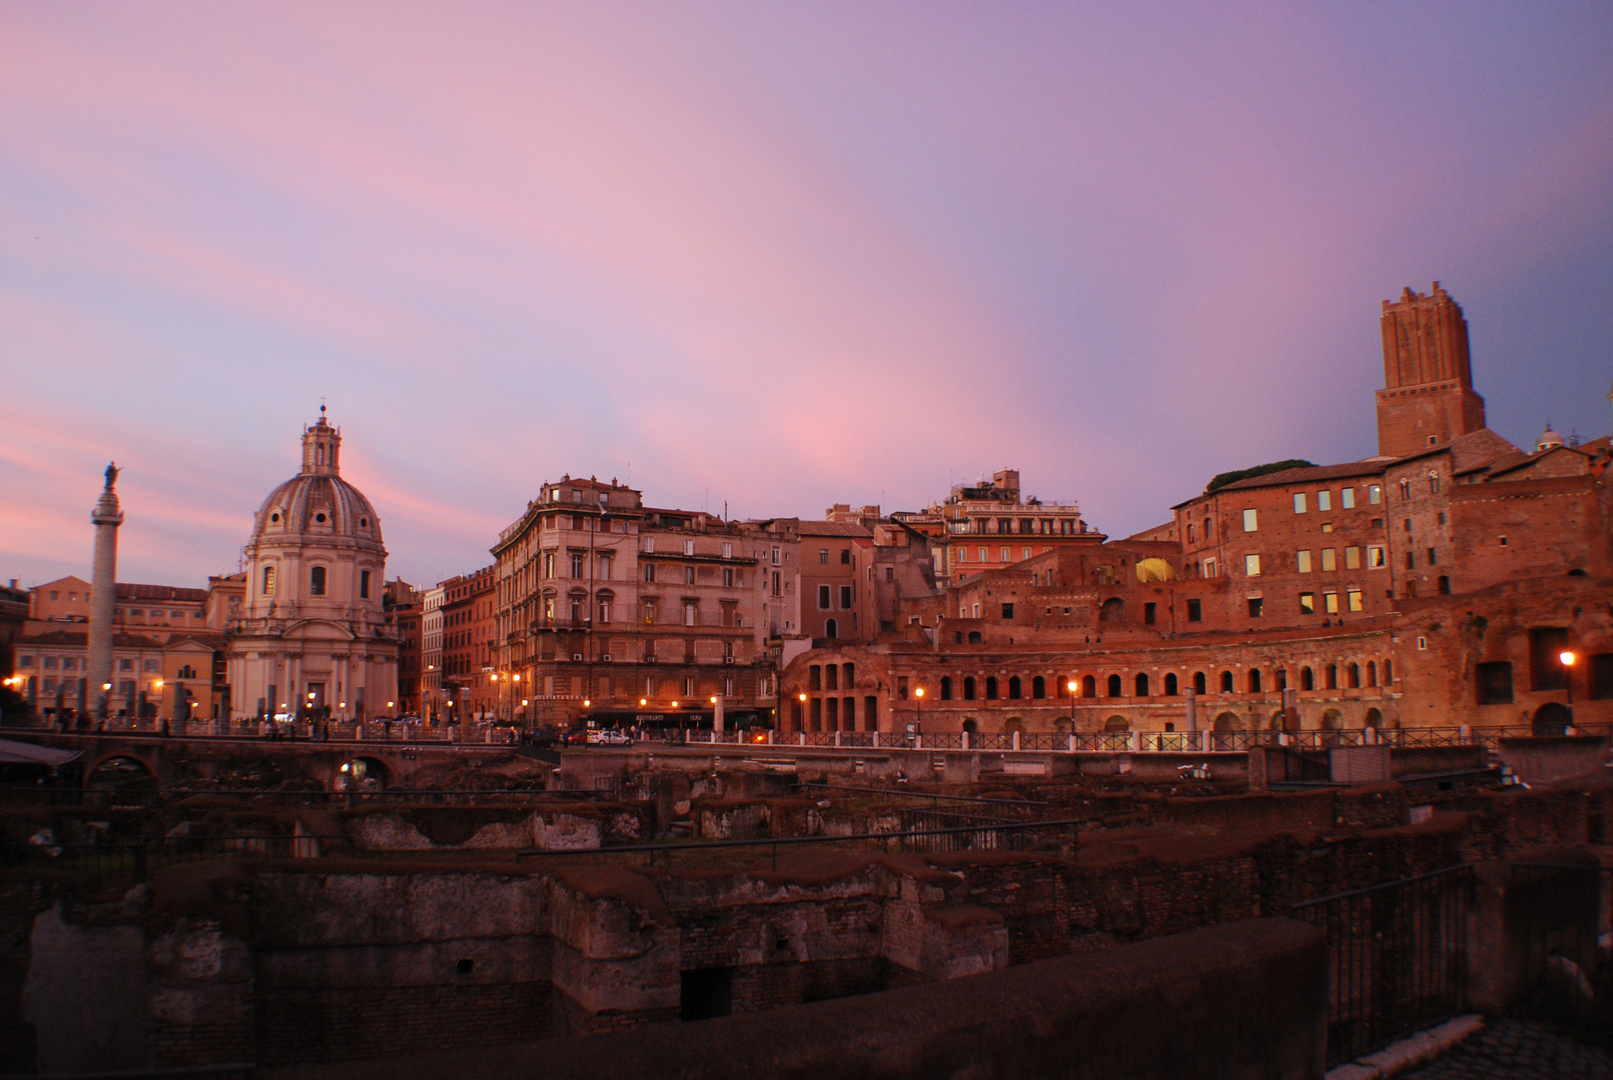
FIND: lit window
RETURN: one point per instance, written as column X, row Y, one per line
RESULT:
column 268, row 581
column 1347, row 498
column 1324, row 500
column 1354, row 596
column 1352, row 558
column 1376, row 560
column 1251, row 565
column 1330, row 602
column 1251, row 520
column 1299, row 502
column 1374, row 494
column 1303, row 561
column 1330, row 559
column 1307, row 603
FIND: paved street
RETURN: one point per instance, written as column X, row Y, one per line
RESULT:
column 1512, row 1049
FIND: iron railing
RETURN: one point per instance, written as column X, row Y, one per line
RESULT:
column 1397, row 957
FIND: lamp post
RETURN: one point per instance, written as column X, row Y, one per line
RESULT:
column 803, row 712
column 918, row 692
column 1569, row 659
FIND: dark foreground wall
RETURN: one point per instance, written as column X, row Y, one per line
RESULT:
column 1244, row 1000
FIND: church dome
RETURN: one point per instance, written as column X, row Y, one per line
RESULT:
column 317, row 502
column 1548, row 439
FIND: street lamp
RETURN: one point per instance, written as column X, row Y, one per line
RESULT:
column 918, row 692
column 1569, row 660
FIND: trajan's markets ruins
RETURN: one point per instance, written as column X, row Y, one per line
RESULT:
column 973, row 789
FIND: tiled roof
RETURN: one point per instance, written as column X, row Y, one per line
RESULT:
column 79, row 638
column 159, row 592
column 833, row 528
column 1366, row 467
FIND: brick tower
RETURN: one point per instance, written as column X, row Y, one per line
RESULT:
column 1427, row 397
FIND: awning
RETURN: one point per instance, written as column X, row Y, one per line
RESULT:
column 21, row 753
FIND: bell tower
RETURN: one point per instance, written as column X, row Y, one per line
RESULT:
column 1427, row 397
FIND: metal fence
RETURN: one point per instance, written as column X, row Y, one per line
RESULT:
column 126, row 863
column 925, row 824
column 1397, row 957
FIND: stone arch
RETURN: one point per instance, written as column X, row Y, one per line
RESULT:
column 946, row 688
column 1013, row 724
column 1089, row 686
column 1307, row 678
column 1552, row 718
column 968, row 688
column 362, row 774
column 975, row 638
column 1113, row 610
column 831, row 629
column 971, row 725
column 1142, row 684
column 1373, row 719
column 1016, row 688
column 1064, row 724
column 1372, row 673
column 1117, row 723
column 122, row 772
column 1115, row 686
column 1352, row 675
column 1221, row 737
column 1332, row 720
column 991, row 688
column 1039, row 687
column 1170, row 684
column 1201, row 683
column 1277, row 720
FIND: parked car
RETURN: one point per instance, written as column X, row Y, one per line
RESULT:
column 611, row 737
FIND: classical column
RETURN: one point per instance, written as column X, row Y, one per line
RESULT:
column 107, row 516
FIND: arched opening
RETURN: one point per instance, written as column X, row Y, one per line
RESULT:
column 1064, row 725
column 1038, row 687
column 1332, row 720
column 1373, row 719
column 316, row 581
column 1352, row 675
column 1154, row 570
column 970, row 726
column 1223, row 727
column 1113, row 610
column 1200, row 683
column 1114, row 686
column 1444, row 585
column 1330, row 676
column 1116, row 724
column 361, row 774
column 1014, row 688
column 1388, row 673
column 991, row 688
column 1141, row 683
column 122, row 776
column 831, row 629
column 968, row 688
column 1278, row 721
column 1576, row 572
column 1013, row 724
column 831, row 676
column 1170, row 684
column 946, row 688
column 974, row 637
column 1307, row 679
column 1551, row 718
column 1254, row 680
column 1372, row 673
column 1226, row 682
column 1089, row 686
column 815, row 677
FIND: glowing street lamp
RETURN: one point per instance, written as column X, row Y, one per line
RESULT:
column 1569, row 660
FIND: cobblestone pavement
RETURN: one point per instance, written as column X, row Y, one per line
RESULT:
column 1513, row 1049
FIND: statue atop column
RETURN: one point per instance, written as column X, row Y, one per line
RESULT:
column 112, row 471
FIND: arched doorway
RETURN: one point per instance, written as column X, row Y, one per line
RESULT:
column 1332, row 724
column 1064, row 725
column 1113, row 610
column 970, row 725
column 1551, row 718
column 1222, row 737
column 831, row 629
column 1116, row 724
column 1373, row 719
column 1013, row 724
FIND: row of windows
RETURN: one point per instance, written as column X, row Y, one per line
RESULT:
column 1006, row 554
column 1352, row 675
column 1493, row 680
column 832, row 676
column 1024, row 526
column 318, row 576
column 1327, row 560
column 79, row 663
column 826, row 596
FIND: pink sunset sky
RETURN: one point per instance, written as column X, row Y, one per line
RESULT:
column 773, row 256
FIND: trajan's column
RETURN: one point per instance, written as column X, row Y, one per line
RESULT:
column 104, row 592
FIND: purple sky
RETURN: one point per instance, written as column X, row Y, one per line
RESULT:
column 774, row 255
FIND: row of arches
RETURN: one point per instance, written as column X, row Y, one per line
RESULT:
column 1350, row 675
